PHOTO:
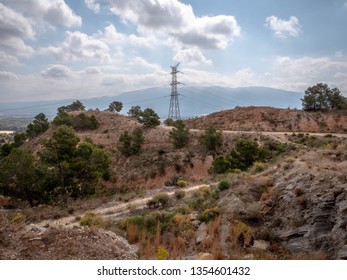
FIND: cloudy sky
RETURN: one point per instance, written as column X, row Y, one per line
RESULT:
column 54, row 49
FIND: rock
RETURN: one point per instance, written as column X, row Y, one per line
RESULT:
column 201, row 233
column 204, row 256
column 232, row 204
column 297, row 245
column 261, row 245
column 297, row 232
column 342, row 254
column 37, row 229
column 248, row 257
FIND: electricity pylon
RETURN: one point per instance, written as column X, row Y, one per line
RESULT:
column 174, row 110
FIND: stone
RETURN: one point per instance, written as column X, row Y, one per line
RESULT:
column 204, row 256
column 261, row 245
column 201, row 233
column 342, row 253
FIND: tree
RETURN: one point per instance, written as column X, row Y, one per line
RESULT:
column 131, row 144
column 150, row 118
column 169, row 122
column 75, row 169
column 124, row 143
column 39, row 125
column 212, row 138
column 90, row 164
column 115, row 106
column 320, row 97
column 79, row 122
column 20, row 178
column 74, row 106
column 179, row 135
column 19, row 139
column 135, row 112
column 137, row 141
column 336, row 100
column 245, row 153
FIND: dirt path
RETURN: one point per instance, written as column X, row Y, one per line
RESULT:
column 114, row 210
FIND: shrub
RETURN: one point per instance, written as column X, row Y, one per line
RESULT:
column 220, row 165
column 159, row 200
column 131, row 144
column 211, row 139
column 162, row 254
column 224, row 185
column 209, row 214
column 242, row 234
column 179, row 135
column 181, row 183
column 258, row 166
column 91, row 219
column 245, row 153
column 179, row 194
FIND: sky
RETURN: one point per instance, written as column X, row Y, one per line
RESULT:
column 63, row 49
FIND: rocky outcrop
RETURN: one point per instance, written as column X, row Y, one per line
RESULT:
column 312, row 209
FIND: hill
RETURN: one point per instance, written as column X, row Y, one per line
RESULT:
column 273, row 119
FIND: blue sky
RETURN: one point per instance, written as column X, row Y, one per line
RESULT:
column 56, row 49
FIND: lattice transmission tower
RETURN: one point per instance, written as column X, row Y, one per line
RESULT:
column 174, row 110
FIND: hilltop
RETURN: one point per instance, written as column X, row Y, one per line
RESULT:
column 273, row 119
column 291, row 206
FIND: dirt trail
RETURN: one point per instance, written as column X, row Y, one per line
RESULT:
column 113, row 211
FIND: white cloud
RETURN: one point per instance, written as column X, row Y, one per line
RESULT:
column 14, row 29
column 284, row 28
column 8, row 60
column 79, row 46
column 309, row 66
column 92, row 71
column 192, row 57
column 175, row 19
column 51, row 12
column 103, row 46
column 56, row 71
column 300, row 73
column 93, row 5
column 4, row 75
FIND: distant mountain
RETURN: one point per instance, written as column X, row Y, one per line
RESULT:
column 194, row 101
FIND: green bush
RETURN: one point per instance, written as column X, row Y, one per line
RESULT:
column 220, row 165
column 224, row 185
column 179, row 135
column 245, row 153
column 212, row 139
column 131, row 144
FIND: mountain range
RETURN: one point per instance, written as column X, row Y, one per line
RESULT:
column 194, row 101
